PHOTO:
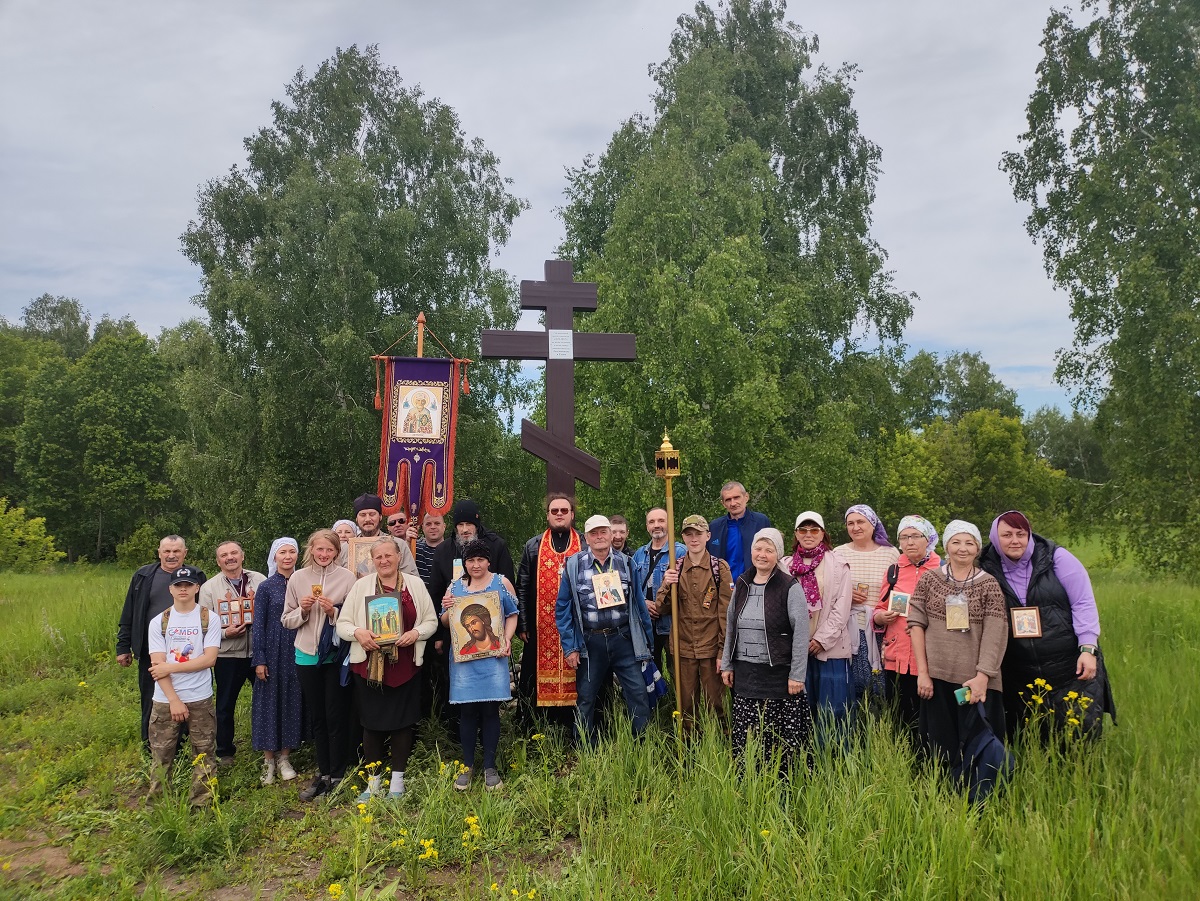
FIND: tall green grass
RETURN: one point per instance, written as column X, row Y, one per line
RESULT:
column 631, row 820
column 65, row 623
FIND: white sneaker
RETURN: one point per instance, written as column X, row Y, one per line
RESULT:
column 286, row 773
column 268, row 776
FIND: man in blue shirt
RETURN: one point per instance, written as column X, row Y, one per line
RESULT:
column 732, row 534
column 649, row 563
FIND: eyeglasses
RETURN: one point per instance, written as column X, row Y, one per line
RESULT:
column 397, row 522
column 810, row 530
column 905, row 539
column 559, row 511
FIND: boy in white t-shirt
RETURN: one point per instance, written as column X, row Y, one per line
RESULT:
column 183, row 642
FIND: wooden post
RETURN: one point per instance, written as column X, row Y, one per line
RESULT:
column 666, row 466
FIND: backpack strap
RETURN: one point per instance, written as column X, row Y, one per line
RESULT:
column 204, row 611
column 893, row 574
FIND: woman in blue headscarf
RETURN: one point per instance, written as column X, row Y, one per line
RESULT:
column 869, row 554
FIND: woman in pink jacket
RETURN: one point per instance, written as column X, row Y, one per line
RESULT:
column 917, row 538
column 825, row 578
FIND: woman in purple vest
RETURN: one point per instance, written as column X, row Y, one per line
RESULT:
column 1054, row 632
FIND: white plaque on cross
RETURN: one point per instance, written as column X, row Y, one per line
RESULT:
column 561, row 344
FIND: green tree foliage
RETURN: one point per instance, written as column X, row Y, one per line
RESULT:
column 20, row 359
column 1110, row 165
column 731, row 233
column 1068, row 443
column 932, row 388
column 24, row 544
column 972, row 469
column 93, row 445
column 62, row 320
column 360, row 205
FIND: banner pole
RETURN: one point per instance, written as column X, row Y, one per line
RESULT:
column 419, row 513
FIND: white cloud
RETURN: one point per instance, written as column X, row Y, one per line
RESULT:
column 115, row 114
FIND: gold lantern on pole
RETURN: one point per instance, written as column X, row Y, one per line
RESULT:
column 666, row 467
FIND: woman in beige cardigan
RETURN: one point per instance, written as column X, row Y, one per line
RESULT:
column 825, row 578
column 385, row 683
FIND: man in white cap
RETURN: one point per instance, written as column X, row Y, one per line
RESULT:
column 604, row 627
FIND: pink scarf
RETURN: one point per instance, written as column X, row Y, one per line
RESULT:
column 807, row 574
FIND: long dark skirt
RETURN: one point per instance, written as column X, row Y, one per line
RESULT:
column 946, row 726
column 783, row 723
column 384, row 709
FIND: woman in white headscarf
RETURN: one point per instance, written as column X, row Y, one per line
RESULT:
column 345, row 529
column 765, row 659
column 958, row 623
column 917, row 539
column 277, row 710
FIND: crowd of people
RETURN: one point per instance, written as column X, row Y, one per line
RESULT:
column 964, row 650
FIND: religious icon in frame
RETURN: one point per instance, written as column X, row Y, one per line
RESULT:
column 384, row 618
column 1026, row 622
column 476, row 626
column 358, row 560
column 421, row 407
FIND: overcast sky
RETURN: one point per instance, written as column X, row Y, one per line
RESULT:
column 112, row 114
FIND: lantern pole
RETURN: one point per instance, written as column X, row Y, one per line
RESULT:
column 666, row 467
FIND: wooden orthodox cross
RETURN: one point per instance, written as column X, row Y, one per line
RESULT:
column 560, row 346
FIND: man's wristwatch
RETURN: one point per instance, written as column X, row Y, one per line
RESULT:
column 1088, row 649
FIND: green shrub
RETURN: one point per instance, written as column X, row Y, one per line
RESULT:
column 24, row 544
column 139, row 548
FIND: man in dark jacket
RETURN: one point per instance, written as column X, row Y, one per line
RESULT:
column 537, row 593
column 149, row 594
column 731, row 535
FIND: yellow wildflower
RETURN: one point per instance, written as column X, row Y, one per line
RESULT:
column 335, row 890
column 82, row 684
column 495, row 886
column 765, row 833
column 1072, row 695
column 404, row 832
column 196, row 760
column 515, row 893
column 1073, row 721
column 362, row 808
column 537, row 736
column 532, row 893
column 1037, row 699
column 7, row 866
column 675, row 714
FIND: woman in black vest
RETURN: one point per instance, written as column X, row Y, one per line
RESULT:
column 766, row 655
column 1054, row 633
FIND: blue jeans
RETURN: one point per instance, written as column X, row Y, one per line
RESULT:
column 610, row 653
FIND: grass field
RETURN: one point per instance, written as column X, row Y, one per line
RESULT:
column 1117, row 820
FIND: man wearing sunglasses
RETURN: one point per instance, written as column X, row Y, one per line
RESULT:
column 538, row 576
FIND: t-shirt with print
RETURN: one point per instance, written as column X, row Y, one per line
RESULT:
column 184, row 642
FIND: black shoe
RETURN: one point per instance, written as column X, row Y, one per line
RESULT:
column 320, row 786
